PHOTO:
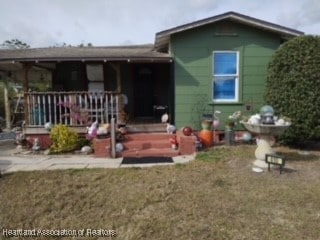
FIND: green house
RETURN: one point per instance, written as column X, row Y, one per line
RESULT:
column 218, row 63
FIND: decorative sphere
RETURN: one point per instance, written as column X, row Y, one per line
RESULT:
column 246, row 137
column 119, row 147
column 187, row 131
column 266, row 111
column 216, row 124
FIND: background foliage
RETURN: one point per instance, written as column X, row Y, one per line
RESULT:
column 293, row 87
column 14, row 44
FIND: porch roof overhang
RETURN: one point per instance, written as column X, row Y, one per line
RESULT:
column 139, row 53
column 163, row 38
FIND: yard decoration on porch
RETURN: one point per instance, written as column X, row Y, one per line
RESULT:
column 174, row 142
column 86, row 150
column 36, row 145
column 75, row 112
column 170, row 128
column 187, row 131
column 164, row 118
column 48, row 126
column 92, row 130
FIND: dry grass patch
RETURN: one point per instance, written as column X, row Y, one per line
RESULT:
column 215, row 197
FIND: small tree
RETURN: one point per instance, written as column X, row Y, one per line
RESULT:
column 293, row 87
column 14, row 44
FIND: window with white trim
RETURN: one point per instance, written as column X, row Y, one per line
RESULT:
column 225, row 73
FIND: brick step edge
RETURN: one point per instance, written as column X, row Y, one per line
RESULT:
column 151, row 152
column 148, row 136
column 142, row 144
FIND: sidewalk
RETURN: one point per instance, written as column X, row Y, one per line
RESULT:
column 13, row 160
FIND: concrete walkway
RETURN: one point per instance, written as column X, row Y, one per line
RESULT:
column 13, row 160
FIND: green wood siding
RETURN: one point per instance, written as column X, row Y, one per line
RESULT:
column 192, row 51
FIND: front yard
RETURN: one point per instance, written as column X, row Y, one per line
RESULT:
column 216, row 196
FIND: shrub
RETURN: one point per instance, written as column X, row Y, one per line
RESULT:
column 63, row 139
column 293, row 87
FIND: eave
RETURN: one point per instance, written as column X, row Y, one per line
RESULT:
column 144, row 53
column 163, row 38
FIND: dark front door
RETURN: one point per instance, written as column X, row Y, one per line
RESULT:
column 143, row 92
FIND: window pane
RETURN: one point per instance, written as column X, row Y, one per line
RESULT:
column 225, row 63
column 224, row 88
column 96, row 86
column 95, row 72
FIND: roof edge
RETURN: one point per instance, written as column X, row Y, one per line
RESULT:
column 164, row 36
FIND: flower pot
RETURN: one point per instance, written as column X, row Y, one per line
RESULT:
column 206, row 137
column 229, row 126
column 229, row 137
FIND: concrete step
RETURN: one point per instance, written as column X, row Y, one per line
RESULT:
column 146, row 144
column 147, row 128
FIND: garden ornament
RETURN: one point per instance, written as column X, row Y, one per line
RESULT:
column 92, row 130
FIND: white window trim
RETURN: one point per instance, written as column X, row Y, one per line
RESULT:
column 236, row 99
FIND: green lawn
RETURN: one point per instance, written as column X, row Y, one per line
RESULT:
column 216, row 196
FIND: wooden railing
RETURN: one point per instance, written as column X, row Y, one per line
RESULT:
column 71, row 108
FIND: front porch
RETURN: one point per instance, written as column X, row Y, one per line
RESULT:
column 75, row 109
column 133, row 85
column 79, row 109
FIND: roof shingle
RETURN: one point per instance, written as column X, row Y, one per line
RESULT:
column 116, row 53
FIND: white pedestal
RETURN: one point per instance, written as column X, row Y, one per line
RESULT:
column 264, row 147
column 266, row 139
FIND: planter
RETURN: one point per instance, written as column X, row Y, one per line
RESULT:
column 229, row 126
column 229, row 137
column 206, row 137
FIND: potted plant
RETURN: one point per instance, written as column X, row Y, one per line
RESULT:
column 206, row 122
column 232, row 120
column 231, row 123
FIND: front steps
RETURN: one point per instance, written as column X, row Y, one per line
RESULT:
column 147, row 140
column 147, row 145
column 147, row 128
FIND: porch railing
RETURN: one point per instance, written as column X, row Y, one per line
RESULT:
column 71, row 108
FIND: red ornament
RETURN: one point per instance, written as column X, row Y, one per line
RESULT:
column 174, row 142
column 187, row 131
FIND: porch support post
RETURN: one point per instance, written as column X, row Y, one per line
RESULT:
column 121, row 114
column 7, row 102
column 113, row 138
column 116, row 67
column 26, row 68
